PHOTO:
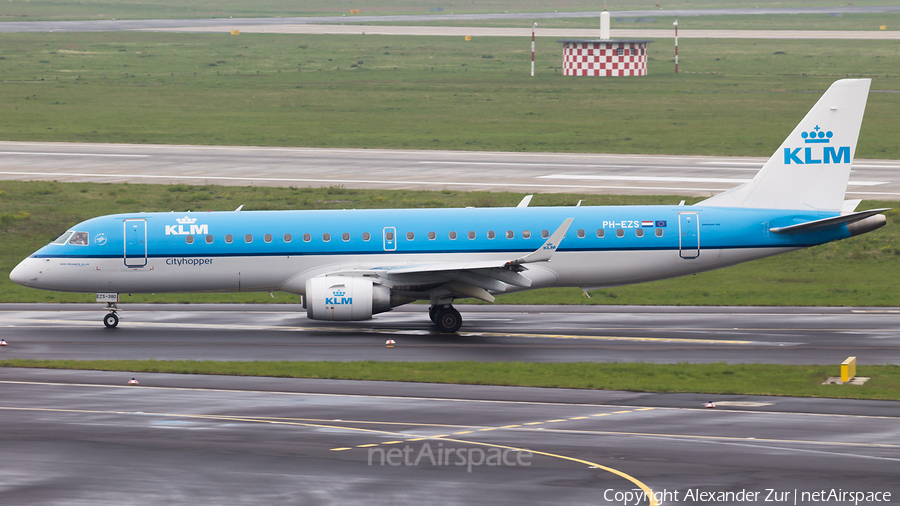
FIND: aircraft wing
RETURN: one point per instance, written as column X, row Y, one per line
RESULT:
column 469, row 278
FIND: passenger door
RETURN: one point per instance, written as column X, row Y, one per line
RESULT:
column 688, row 235
column 135, row 242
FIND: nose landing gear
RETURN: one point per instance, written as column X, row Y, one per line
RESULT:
column 111, row 320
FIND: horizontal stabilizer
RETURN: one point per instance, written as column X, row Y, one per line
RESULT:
column 826, row 223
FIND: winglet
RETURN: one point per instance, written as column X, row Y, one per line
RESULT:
column 547, row 249
column 525, row 201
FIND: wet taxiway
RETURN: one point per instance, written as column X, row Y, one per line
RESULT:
column 490, row 333
column 88, row 438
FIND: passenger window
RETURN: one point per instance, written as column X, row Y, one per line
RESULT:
column 620, row 233
column 431, row 235
column 248, row 238
column 326, row 237
column 345, row 236
column 600, row 233
column 471, row 234
column 229, row 238
column 581, row 234
column 389, row 236
column 307, row 238
column 287, row 237
column 491, row 234
column 410, row 236
column 545, row 234
column 366, row 236
column 209, row 239
column 639, row 232
column 453, row 236
column 62, row 237
column 526, row 234
column 267, row 238
column 189, row 239
column 79, row 239
column 659, row 232
column 510, row 234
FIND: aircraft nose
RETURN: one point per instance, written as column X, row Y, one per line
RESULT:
column 25, row 273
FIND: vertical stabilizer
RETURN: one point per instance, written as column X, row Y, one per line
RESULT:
column 811, row 168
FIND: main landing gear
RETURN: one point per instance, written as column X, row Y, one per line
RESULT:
column 111, row 320
column 447, row 318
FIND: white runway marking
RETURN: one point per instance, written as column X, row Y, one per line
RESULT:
column 67, row 154
column 754, row 164
column 352, row 181
column 667, row 179
column 660, row 179
column 574, row 165
column 579, row 165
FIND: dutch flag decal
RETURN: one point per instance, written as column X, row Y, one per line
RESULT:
column 646, row 223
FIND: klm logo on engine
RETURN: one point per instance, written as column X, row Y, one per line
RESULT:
column 192, row 229
column 339, row 299
column 813, row 154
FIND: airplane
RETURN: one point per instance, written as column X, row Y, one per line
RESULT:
column 351, row 264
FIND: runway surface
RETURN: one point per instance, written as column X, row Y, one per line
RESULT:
column 461, row 31
column 408, row 169
column 87, row 438
column 489, row 333
column 167, row 24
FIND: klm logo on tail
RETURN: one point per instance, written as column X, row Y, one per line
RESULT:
column 814, row 155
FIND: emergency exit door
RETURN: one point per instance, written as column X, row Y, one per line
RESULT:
column 390, row 239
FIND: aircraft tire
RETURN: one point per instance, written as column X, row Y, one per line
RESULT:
column 448, row 319
column 111, row 320
column 432, row 313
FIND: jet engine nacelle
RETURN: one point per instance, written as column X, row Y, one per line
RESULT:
column 343, row 298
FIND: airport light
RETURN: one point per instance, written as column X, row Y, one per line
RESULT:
column 532, row 48
column 676, row 44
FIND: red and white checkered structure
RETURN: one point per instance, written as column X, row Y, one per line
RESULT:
column 605, row 57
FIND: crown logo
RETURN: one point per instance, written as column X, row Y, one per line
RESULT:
column 186, row 220
column 339, row 293
column 817, row 136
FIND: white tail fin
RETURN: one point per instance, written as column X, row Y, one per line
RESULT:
column 811, row 168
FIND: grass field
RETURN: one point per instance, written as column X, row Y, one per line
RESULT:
column 719, row 378
column 32, row 10
column 855, row 272
column 427, row 93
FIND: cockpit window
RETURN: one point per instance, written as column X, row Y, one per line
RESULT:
column 62, row 237
column 79, row 239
